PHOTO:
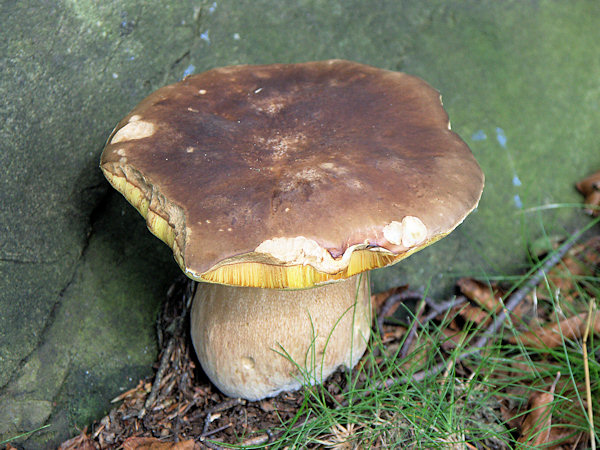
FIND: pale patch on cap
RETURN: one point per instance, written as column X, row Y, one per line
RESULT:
column 135, row 129
column 303, row 251
column 408, row 233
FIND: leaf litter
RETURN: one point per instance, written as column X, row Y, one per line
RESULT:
column 187, row 412
column 179, row 409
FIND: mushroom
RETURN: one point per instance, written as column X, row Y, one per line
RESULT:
column 279, row 186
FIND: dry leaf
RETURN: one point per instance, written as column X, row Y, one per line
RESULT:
column 562, row 276
column 148, row 443
column 419, row 353
column 508, row 413
column 378, row 300
column 592, row 201
column 590, row 189
column 581, row 260
column 565, row 438
column 591, row 251
column 553, row 335
column 589, row 184
column 267, row 405
column 486, row 296
column 536, row 427
column 453, row 338
column 79, row 442
column 392, row 334
column 473, row 314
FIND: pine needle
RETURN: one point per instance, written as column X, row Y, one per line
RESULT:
column 586, row 368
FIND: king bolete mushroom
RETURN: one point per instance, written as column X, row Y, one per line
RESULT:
column 279, row 186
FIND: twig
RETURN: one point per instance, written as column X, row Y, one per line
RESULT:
column 515, row 299
column 211, row 445
column 228, row 404
column 586, row 369
column 219, row 408
column 391, row 302
column 217, row 430
column 177, row 325
column 412, row 331
column 519, row 295
column 261, row 439
column 268, row 436
column 162, row 368
column 437, row 309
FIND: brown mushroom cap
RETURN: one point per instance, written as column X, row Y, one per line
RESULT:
column 291, row 175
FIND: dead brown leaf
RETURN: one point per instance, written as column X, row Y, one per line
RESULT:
column 564, row 438
column 535, row 429
column 581, row 260
column 472, row 313
column 419, row 352
column 267, row 405
column 592, row 201
column 378, row 300
column 589, row 184
column 454, row 338
column 590, row 189
column 509, row 413
column 392, row 334
column 79, row 442
column 488, row 297
column 149, row 443
column 562, row 276
column 591, row 251
column 554, row 334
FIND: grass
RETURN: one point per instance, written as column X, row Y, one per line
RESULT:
column 23, row 435
column 466, row 406
column 437, row 412
column 427, row 389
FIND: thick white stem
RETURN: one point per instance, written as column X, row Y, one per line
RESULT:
column 255, row 343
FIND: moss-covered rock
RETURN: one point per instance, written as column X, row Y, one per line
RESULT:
column 81, row 277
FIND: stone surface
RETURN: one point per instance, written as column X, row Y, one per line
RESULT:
column 70, row 334
column 82, row 279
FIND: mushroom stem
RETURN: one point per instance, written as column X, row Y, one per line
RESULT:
column 255, row 343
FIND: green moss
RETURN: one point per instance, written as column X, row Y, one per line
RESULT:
column 77, row 311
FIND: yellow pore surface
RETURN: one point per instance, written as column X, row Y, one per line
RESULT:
column 253, row 273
